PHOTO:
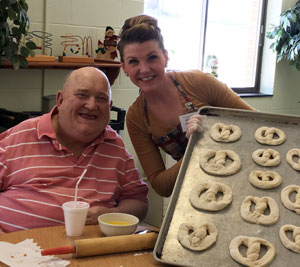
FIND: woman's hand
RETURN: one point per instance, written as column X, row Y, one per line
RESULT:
column 194, row 124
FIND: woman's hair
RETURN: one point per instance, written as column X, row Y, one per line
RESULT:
column 139, row 29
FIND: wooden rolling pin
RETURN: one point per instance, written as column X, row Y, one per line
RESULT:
column 106, row 245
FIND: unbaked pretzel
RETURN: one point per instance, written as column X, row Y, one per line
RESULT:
column 294, row 152
column 289, row 244
column 203, row 196
column 214, row 162
column 261, row 204
column 265, row 179
column 266, row 157
column 285, row 198
column 253, row 245
column 221, row 132
column 270, row 136
column 197, row 237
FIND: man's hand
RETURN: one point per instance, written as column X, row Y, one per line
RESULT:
column 1, row 231
column 94, row 212
column 194, row 124
column 132, row 206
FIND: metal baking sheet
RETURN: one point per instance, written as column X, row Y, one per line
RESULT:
column 228, row 221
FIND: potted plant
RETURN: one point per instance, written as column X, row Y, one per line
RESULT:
column 14, row 25
column 287, row 36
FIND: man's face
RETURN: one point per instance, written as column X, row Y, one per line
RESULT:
column 84, row 106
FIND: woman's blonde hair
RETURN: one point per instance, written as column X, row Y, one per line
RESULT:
column 139, row 29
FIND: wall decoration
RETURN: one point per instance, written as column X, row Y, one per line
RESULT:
column 76, row 48
column 212, row 64
column 43, row 43
column 107, row 50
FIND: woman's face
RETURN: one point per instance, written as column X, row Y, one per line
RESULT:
column 145, row 64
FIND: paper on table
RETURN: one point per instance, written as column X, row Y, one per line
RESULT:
column 27, row 254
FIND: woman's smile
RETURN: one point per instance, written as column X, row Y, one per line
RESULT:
column 147, row 78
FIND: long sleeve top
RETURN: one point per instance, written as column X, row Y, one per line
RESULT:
column 202, row 90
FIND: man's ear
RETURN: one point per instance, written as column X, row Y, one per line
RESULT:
column 59, row 98
column 110, row 105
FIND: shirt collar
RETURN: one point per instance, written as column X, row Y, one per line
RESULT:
column 45, row 128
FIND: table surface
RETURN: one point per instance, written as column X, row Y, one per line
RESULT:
column 51, row 237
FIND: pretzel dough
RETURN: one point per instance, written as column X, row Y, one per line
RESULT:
column 289, row 244
column 295, row 152
column 253, row 245
column 197, row 237
column 214, row 162
column 261, row 204
column 270, row 136
column 204, row 196
column 225, row 133
column 265, row 179
column 266, row 157
column 285, row 198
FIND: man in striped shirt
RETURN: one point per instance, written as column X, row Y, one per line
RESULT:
column 42, row 158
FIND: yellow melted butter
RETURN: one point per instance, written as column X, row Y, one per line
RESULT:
column 118, row 222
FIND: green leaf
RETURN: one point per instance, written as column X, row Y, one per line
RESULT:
column 286, row 23
column 30, row 45
column 16, row 32
column 22, row 29
column 284, row 48
column 14, row 47
column 23, row 61
column 270, row 35
column 11, row 14
column 16, row 65
column 7, row 51
column 293, row 66
column 2, row 39
column 17, row 22
column 14, row 59
column 24, row 5
column 24, row 51
column 31, row 53
column 291, row 42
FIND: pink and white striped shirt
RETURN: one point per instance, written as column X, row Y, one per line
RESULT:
column 37, row 174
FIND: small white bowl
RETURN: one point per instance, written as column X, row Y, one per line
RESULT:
column 112, row 224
